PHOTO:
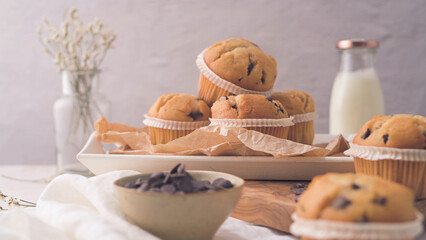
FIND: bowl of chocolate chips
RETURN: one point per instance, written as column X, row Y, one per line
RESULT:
column 179, row 204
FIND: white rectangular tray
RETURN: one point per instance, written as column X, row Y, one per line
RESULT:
column 248, row 167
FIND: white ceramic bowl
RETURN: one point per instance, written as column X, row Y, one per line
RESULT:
column 172, row 216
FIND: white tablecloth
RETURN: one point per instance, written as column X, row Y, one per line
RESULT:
column 15, row 221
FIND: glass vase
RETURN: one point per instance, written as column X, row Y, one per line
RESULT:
column 79, row 106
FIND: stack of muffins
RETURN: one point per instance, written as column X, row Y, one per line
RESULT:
column 236, row 81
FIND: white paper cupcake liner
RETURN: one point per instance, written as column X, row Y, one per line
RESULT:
column 320, row 229
column 281, row 122
column 220, row 82
column 173, row 125
column 305, row 117
column 379, row 153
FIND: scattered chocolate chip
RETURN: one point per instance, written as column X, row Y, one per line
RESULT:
column 269, row 99
column 385, row 138
column 380, row 201
column 341, row 203
column 298, row 189
column 366, row 134
column 355, row 186
column 239, row 79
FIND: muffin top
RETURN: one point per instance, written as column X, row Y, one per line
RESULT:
column 295, row 101
column 180, row 107
column 356, row 198
column 397, row 131
column 248, row 106
column 242, row 63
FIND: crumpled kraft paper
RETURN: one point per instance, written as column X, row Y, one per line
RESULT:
column 211, row 141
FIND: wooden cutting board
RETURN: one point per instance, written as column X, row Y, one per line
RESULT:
column 271, row 203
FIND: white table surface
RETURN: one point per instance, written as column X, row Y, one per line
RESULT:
column 34, row 181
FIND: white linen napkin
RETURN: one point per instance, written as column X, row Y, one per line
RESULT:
column 80, row 208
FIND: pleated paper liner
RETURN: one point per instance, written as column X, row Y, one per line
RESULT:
column 211, row 87
column 303, row 129
column 163, row 131
column 333, row 230
column 404, row 166
column 161, row 136
column 275, row 127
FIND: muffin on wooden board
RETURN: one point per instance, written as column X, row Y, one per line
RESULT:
column 235, row 66
column 176, row 115
column 350, row 206
column 254, row 112
column 393, row 147
column 301, row 106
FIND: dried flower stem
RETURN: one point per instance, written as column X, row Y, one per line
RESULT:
column 14, row 202
column 74, row 45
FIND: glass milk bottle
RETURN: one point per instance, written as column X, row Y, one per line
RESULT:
column 357, row 95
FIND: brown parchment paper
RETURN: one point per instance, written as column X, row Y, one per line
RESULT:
column 211, row 141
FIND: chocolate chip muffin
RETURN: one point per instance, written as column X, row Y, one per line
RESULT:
column 176, row 115
column 393, row 147
column 180, row 107
column 235, row 66
column 397, row 131
column 248, row 106
column 254, row 112
column 356, row 198
column 301, row 106
column 359, row 200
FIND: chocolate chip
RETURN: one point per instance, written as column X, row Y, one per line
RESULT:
column 355, row 186
column 296, row 198
column 366, row 134
column 157, row 175
column 181, row 169
column 298, row 188
column 341, row 203
column 250, row 68
column 223, row 183
column 363, row 218
column 385, row 138
column 185, row 185
column 250, row 65
column 263, row 77
column 168, row 188
column 236, row 108
column 132, row 185
column 239, row 79
column 380, row 201
column 166, row 178
column 195, row 115
column 175, row 168
column 269, row 99
column 143, row 188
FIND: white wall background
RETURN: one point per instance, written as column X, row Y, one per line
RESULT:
column 158, row 42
